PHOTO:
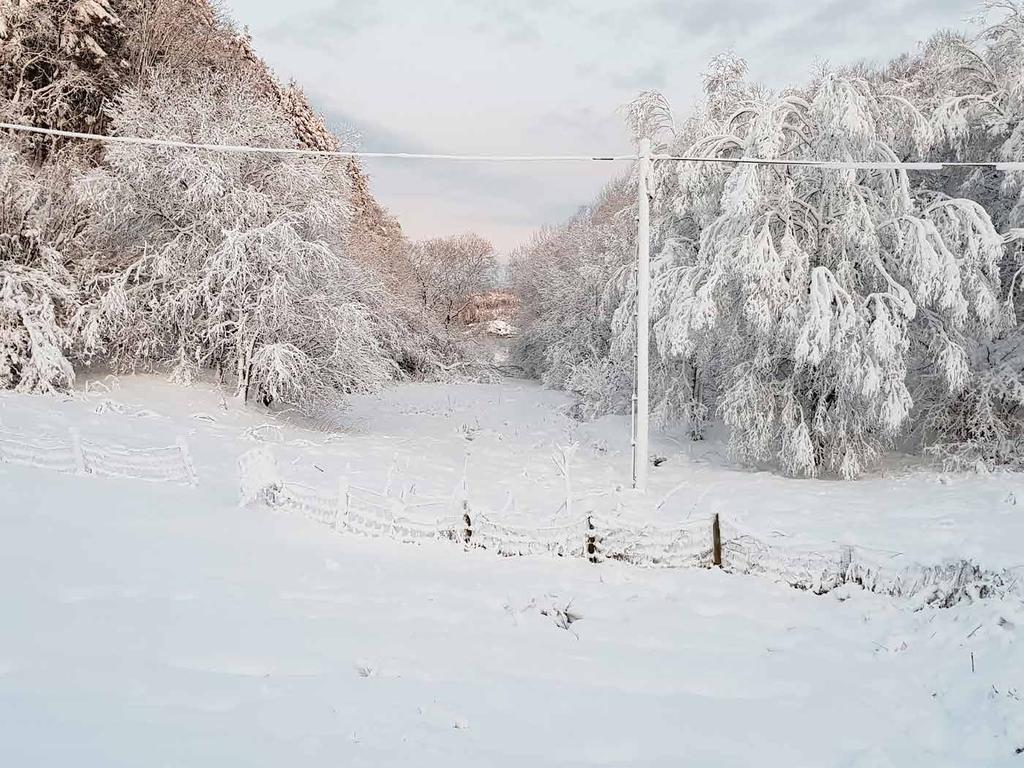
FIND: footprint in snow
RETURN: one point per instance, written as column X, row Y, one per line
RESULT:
column 366, row 669
column 439, row 715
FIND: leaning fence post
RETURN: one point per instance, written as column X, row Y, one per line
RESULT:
column 186, row 460
column 716, row 542
column 463, row 493
column 77, row 452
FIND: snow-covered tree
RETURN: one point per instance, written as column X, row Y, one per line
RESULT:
column 977, row 111
column 828, row 314
column 562, row 278
column 444, row 272
column 817, row 288
column 228, row 261
column 60, row 60
column 38, row 294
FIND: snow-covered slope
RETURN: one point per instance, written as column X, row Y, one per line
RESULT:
column 505, row 439
column 161, row 624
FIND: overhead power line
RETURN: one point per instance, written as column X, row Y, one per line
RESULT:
column 294, row 151
column 853, row 165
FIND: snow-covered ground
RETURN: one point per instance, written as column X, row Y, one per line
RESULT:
column 161, row 624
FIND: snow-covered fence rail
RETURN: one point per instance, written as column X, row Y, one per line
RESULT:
column 74, row 455
column 45, row 453
column 822, row 570
column 568, row 540
column 650, row 545
column 704, row 542
column 361, row 510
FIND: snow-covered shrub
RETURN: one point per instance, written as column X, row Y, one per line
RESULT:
column 38, row 295
column 228, row 261
column 602, row 386
column 981, row 427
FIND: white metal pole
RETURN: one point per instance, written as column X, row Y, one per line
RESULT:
column 643, row 319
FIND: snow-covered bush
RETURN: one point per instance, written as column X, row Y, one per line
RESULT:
column 227, row 261
column 982, row 425
column 38, row 295
column 601, row 385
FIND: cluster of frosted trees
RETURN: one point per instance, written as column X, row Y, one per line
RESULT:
column 237, row 264
column 443, row 273
column 825, row 316
column 229, row 262
column 38, row 294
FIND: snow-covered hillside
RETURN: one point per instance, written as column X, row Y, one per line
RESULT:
column 162, row 624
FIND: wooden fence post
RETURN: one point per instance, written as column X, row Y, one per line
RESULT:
column 590, row 548
column 467, row 523
column 845, row 564
column 845, row 556
column 186, row 461
column 76, row 450
column 716, row 542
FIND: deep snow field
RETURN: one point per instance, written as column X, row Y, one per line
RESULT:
column 161, row 624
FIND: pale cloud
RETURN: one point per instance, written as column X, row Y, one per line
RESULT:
column 542, row 76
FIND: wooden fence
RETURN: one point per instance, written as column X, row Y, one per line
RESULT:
column 704, row 542
column 73, row 455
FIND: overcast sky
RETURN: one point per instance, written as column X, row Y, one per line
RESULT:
column 541, row 77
